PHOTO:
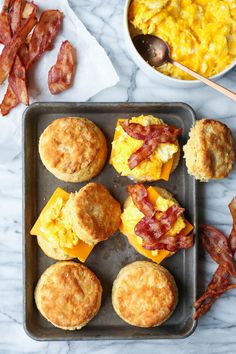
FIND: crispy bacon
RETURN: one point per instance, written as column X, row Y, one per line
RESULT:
column 219, row 248
column 140, row 198
column 17, row 77
column 140, row 132
column 218, row 285
column 216, row 244
column 232, row 236
column 5, row 32
column 9, row 52
column 171, row 243
column 28, row 8
column 44, row 33
column 17, row 81
column 151, row 229
column 148, row 147
column 152, row 135
column 15, row 15
column 9, row 101
column 60, row 75
column 41, row 40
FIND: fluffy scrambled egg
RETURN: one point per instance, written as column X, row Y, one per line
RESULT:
column 201, row 33
column 55, row 227
column 123, row 146
column 131, row 216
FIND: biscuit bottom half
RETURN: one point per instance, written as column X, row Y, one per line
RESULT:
column 68, row 295
column 144, row 294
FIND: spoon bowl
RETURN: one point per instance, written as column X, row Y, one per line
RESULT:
column 153, row 49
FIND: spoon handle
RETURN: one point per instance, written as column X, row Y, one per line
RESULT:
column 206, row 81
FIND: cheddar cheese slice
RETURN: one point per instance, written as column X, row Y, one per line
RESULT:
column 81, row 250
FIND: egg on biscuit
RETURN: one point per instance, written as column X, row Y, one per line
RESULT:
column 158, row 165
column 161, row 201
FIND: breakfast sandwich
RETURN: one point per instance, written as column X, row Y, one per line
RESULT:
column 210, row 150
column 145, row 148
column 68, row 295
column 73, row 149
column 71, row 224
column 154, row 223
column 144, row 294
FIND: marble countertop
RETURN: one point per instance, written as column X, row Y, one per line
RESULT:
column 216, row 331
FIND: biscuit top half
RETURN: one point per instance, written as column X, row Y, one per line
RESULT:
column 210, row 151
column 70, row 144
column 93, row 213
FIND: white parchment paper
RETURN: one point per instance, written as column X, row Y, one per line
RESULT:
column 94, row 72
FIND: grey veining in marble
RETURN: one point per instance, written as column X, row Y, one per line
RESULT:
column 216, row 332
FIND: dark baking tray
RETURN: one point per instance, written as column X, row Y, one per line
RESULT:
column 108, row 257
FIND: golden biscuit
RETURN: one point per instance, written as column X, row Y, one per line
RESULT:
column 93, row 213
column 73, row 149
column 209, row 152
column 144, row 294
column 68, row 295
column 52, row 251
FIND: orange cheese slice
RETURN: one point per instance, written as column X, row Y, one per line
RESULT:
column 159, row 255
column 166, row 169
column 167, row 166
column 81, row 250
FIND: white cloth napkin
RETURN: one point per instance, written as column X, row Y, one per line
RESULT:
column 94, row 72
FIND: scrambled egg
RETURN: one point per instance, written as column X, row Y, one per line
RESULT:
column 131, row 216
column 55, row 228
column 201, row 33
column 123, row 146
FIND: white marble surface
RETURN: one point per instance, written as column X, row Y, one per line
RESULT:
column 216, row 332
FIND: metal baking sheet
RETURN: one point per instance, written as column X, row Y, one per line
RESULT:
column 110, row 256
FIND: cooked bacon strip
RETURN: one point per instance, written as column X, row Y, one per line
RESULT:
column 60, row 75
column 140, row 132
column 9, row 52
column 216, row 244
column 223, row 254
column 153, row 135
column 218, row 285
column 15, row 15
column 171, row 243
column 151, row 229
column 17, row 81
column 17, row 77
column 5, row 32
column 232, row 236
column 44, row 33
column 148, row 147
column 9, row 101
column 140, row 198
column 28, row 7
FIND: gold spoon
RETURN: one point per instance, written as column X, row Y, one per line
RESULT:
column 157, row 52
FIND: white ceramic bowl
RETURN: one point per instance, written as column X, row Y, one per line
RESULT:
column 153, row 73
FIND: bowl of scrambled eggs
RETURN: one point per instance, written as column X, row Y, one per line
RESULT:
column 201, row 34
